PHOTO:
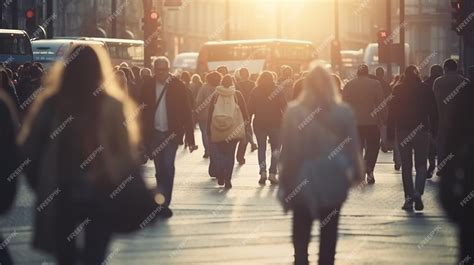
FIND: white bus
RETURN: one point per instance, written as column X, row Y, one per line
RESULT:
column 256, row 55
column 123, row 50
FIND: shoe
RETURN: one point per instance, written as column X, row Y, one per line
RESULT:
column 408, row 205
column 220, row 181
column 263, row 178
column 419, row 204
column 370, row 178
column 206, row 155
column 253, row 147
column 165, row 213
column 228, row 185
column 430, row 172
column 241, row 161
column 397, row 167
column 273, row 179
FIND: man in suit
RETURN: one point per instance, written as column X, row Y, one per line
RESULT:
column 167, row 115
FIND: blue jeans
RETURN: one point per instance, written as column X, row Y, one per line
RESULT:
column 275, row 143
column 163, row 154
column 222, row 159
column 205, row 138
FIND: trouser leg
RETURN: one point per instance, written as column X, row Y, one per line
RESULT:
column 373, row 147
column 328, row 236
column 421, row 147
column 302, row 224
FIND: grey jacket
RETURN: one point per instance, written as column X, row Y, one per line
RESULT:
column 365, row 96
column 204, row 98
column 322, row 139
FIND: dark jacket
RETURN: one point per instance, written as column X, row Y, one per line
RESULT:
column 413, row 104
column 9, row 155
column 179, row 111
column 268, row 110
column 245, row 87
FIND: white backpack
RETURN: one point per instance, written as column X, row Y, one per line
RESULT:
column 227, row 121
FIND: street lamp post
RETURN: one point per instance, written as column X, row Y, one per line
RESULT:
column 402, row 36
column 114, row 19
column 389, row 31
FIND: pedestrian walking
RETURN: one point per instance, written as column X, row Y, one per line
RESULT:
column 203, row 102
column 9, row 160
column 449, row 89
column 456, row 186
column 227, row 122
column 412, row 114
column 245, row 86
column 285, row 82
column 365, row 96
column 267, row 107
column 167, row 116
column 78, row 151
column 320, row 160
column 435, row 72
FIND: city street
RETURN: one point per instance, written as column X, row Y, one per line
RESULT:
column 246, row 225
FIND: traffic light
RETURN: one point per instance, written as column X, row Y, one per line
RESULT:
column 30, row 18
column 456, row 15
column 384, row 44
column 152, row 33
column 336, row 58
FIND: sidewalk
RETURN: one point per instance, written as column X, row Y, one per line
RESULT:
column 246, row 225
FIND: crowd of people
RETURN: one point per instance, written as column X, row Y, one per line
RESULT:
column 83, row 127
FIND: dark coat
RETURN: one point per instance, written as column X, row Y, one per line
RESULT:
column 268, row 108
column 179, row 112
column 412, row 104
column 9, row 155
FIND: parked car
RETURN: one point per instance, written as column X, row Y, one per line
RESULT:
column 15, row 48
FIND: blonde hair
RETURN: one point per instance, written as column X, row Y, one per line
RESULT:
column 107, row 94
column 319, row 88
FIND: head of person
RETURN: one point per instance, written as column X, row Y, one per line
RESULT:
column 363, row 70
column 124, row 65
column 265, row 81
column 213, row 78
column 145, row 72
column 185, row 77
column 319, row 89
column 196, row 79
column 227, row 81
column 244, row 74
column 121, row 79
column 128, row 74
column 436, row 71
column 162, row 68
column 380, row 73
column 223, row 70
column 450, row 66
column 136, row 72
column 286, row 72
column 412, row 74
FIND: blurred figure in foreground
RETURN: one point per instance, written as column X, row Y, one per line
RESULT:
column 457, row 169
column 320, row 161
column 365, row 96
column 9, row 160
column 413, row 116
column 80, row 151
column 268, row 113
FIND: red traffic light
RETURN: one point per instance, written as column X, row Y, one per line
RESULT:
column 154, row 15
column 383, row 34
column 30, row 13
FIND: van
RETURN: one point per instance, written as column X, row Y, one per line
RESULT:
column 15, row 48
column 47, row 52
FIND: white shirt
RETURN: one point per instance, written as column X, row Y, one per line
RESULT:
column 161, row 114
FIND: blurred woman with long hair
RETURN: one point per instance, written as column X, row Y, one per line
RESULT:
column 320, row 160
column 267, row 105
column 79, row 150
